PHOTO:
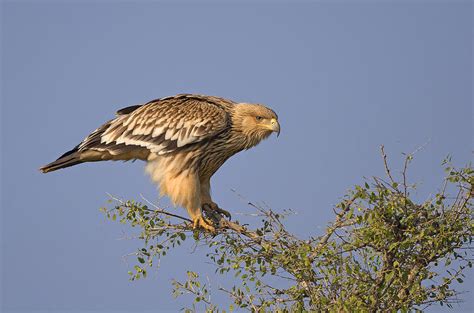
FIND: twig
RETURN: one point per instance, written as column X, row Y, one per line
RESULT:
column 408, row 158
column 158, row 209
column 387, row 168
column 225, row 224
column 330, row 231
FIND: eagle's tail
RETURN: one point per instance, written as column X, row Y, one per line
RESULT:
column 69, row 158
column 92, row 149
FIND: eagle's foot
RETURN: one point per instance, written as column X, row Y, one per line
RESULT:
column 200, row 221
column 212, row 208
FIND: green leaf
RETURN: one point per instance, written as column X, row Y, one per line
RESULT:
column 389, row 276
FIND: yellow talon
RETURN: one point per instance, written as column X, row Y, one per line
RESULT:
column 201, row 222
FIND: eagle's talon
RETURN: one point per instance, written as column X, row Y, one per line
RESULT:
column 201, row 222
column 212, row 208
column 224, row 212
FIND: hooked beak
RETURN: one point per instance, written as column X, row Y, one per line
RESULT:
column 275, row 126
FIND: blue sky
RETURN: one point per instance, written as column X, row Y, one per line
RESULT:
column 343, row 77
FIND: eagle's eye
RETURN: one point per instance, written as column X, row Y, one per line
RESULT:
column 259, row 118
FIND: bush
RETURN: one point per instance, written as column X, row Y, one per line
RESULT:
column 383, row 251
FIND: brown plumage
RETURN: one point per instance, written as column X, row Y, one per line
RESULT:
column 184, row 139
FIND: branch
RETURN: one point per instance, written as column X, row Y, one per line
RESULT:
column 158, row 209
column 161, row 211
column 387, row 168
column 339, row 222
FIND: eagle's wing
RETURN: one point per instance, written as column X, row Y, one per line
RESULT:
column 167, row 124
column 160, row 126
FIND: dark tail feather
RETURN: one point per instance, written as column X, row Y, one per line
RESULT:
column 69, row 158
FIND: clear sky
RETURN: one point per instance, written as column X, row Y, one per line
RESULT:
column 343, row 77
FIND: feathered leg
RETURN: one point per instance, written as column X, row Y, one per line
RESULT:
column 207, row 204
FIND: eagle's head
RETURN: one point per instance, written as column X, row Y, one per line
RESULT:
column 256, row 122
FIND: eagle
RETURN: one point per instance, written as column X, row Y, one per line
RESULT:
column 184, row 139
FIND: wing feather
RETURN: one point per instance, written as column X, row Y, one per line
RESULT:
column 171, row 123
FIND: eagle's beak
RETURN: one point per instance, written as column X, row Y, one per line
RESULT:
column 275, row 126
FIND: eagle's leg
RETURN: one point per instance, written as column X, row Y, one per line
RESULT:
column 212, row 207
column 183, row 190
column 207, row 205
column 198, row 219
